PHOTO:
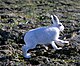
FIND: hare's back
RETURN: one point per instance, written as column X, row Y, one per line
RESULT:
column 42, row 35
column 34, row 33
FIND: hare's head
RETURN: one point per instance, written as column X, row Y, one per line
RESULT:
column 57, row 23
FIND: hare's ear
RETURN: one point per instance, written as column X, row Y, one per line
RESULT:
column 54, row 19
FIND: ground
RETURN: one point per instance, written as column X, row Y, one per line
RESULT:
column 19, row 16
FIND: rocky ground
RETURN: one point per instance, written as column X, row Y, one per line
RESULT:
column 19, row 16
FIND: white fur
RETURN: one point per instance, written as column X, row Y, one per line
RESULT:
column 43, row 35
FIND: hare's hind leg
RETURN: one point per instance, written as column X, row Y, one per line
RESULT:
column 54, row 46
column 25, row 49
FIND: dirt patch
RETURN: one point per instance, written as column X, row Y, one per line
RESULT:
column 17, row 17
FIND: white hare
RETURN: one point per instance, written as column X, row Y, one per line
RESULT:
column 43, row 35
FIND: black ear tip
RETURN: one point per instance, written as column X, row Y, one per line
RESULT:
column 53, row 16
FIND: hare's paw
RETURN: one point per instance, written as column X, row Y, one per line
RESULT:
column 28, row 55
column 66, row 42
column 59, row 48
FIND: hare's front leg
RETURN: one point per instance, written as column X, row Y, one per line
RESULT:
column 62, row 41
column 54, row 46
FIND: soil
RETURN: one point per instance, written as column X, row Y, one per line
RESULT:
column 20, row 16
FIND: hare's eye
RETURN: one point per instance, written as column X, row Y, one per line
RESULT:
column 59, row 25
